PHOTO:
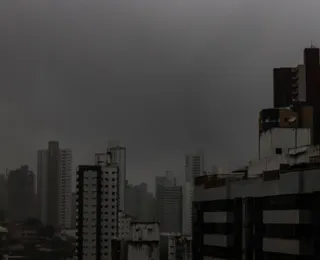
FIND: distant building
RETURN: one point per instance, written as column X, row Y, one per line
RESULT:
column 140, row 203
column 97, row 207
column 21, row 194
column 54, row 182
column 168, row 204
column 194, row 166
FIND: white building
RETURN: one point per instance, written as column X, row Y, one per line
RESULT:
column 194, row 166
column 145, row 241
column 97, row 208
column 187, row 195
column 280, row 140
column 145, row 231
column 54, row 185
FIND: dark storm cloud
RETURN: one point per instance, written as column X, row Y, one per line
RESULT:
column 164, row 77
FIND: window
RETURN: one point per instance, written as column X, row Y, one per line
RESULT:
column 278, row 150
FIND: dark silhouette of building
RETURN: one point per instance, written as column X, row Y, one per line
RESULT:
column 21, row 194
column 282, row 87
column 300, row 86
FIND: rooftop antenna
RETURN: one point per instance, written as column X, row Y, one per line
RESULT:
column 312, row 46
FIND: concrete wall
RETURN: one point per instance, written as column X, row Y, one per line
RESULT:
column 289, row 183
column 284, row 138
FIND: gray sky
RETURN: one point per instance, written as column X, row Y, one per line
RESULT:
column 164, row 77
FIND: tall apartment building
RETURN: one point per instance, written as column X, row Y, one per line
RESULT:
column 97, row 207
column 119, row 156
column 194, row 166
column 21, row 194
column 54, row 182
column 168, row 204
column 300, row 85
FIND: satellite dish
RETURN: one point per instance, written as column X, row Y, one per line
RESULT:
column 292, row 119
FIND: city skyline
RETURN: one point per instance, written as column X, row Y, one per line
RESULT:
column 179, row 175
column 207, row 72
column 160, row 130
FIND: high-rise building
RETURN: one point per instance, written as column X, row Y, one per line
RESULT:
column 54, row 179
column 21, row 194
column 300, row 85
column 168, row 204
column 187, row 196
column 140, row 203
column 65, row 202
column 194, row 166
column 97, row 208
column 162, row 181
column 119, row 156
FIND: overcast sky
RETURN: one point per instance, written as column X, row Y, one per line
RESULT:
column 163, row 77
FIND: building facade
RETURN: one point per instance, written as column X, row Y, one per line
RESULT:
column 97, row 208
column 54, row 185
column 272, row 216
column 124, row 224
column 65, row 201
column 168, row 204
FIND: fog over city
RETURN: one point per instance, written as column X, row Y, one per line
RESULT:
column 163, row 77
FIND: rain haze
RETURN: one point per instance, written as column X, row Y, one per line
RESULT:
column 163, row 77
